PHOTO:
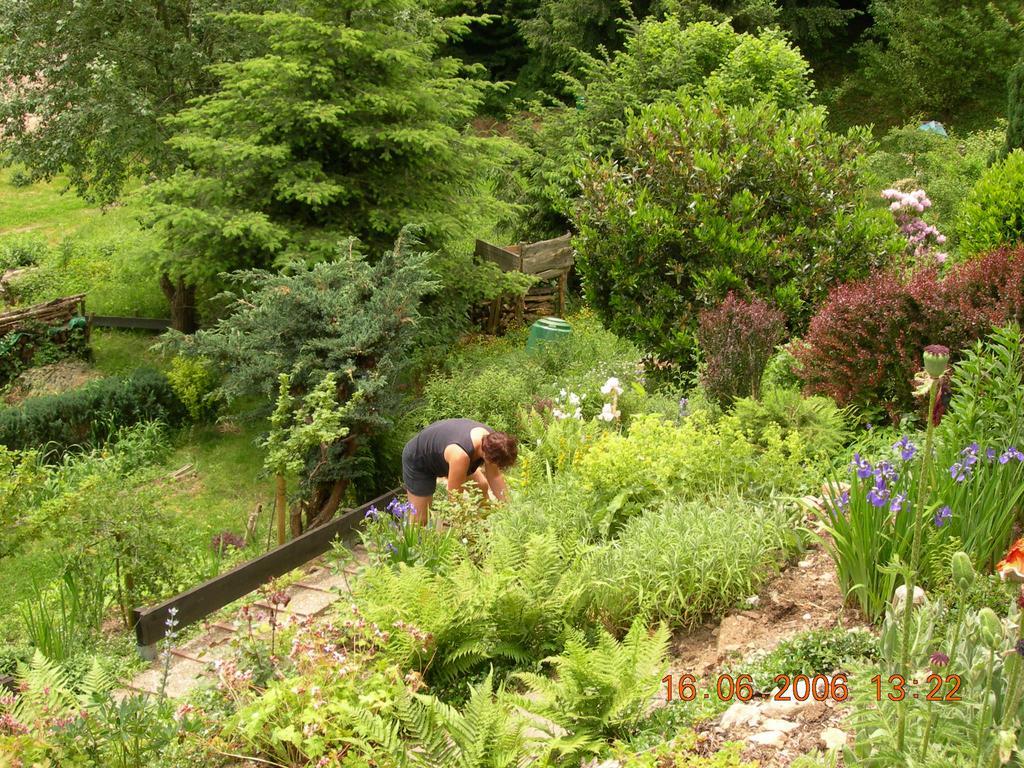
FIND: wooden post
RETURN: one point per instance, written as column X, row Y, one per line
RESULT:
column 492, row 323
column 563, row 280
column 280, row 502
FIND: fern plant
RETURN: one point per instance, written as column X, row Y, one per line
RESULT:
column 485, row 733
column 599, row 691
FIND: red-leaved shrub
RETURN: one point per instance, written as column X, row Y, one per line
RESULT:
column 864, row 345
column 737, row 338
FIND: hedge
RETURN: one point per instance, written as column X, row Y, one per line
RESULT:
column 92, row 414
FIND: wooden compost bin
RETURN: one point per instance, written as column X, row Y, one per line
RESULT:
column 548, row 260
column 56, row 312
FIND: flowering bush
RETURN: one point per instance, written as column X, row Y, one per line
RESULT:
column 871, row 513
column 737, row 339
column 862, row 347
column 921, row 236
column 394, row 536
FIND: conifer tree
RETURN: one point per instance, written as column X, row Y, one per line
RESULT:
column 1015, row 109
column 349, row 121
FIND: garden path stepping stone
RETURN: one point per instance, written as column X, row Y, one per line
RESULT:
column 192, row 662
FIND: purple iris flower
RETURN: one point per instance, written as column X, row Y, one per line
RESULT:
column 886, row 471
column 391, row 548
column 1011, row 453
column 861, row 466
column 371, row 514
column 960, row 472
column 896, row 504
column 906, row 448
column 878, row 496
column 990, row 453
column 942, row 516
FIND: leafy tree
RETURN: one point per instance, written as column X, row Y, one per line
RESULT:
column 86, row 84
column 297, row 426
column 944, row 58
column 710, row 198
column 662, row 60
column 348, row 318
column 347, row 121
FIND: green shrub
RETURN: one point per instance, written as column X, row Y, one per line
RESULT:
column 693, row 211
column 938, row 58
column 683, row 562
column 22, row 251
column 497, row 381
column 945, row 166
column 660, row 59
column 1015, row 108
column 993, row 213
column 194, row 382
column 697, row 459
column 92, row 414
column 823, row 427
column 818, row 652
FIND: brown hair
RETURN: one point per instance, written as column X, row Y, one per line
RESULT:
column 500, row 449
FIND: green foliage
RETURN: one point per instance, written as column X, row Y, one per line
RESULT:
column 945, row 166
column 683, row 751
column 393, row 536
column 987, row 384
column 662, row 724
column 36, row 343
column 823, row 427
column 21, row 251
column 111, row 77
column 685, row 562
column 980, row 728
column 312, row 422
column 485, row 733
column 194, row 382
column 350, row 318
column 817, row 652
column 993, row 212
column 598, row 690
column 497, row 381
column 360, row 133
column 92, row 414
column 946, row 60
column 507, row 612
column 660, row 61
column 697, row 459
column 655, row 234
column 1015, row 108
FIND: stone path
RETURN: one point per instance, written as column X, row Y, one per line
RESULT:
column 193, row 663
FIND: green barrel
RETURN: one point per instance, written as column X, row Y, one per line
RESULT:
column 547, row 329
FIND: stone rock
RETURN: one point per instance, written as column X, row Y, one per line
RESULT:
column 807, row 617
column 804, row 564
column 783, row 707
column 740, row 714
column 753, row 601
column 899, row 598
column 768, row 738
column 833, row 738
column 774, row 724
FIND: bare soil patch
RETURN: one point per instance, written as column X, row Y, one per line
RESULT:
column 52, row 379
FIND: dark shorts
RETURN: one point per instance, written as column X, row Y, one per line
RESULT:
column 417, row 481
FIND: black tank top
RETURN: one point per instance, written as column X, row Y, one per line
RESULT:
column 428, row 446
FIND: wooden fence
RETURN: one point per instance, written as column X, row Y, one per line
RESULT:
column 202, row 600
column 546, row 260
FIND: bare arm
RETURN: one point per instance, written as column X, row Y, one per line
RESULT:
column 496, row 481
column 458, row 467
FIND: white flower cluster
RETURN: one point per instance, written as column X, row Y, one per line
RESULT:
column 568, row 406
column 610, row 411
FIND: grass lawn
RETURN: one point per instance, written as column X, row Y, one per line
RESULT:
column 227, row 485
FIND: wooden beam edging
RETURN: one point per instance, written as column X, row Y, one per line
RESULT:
column 204, row 599
column 7, row 683
column 142, row 323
